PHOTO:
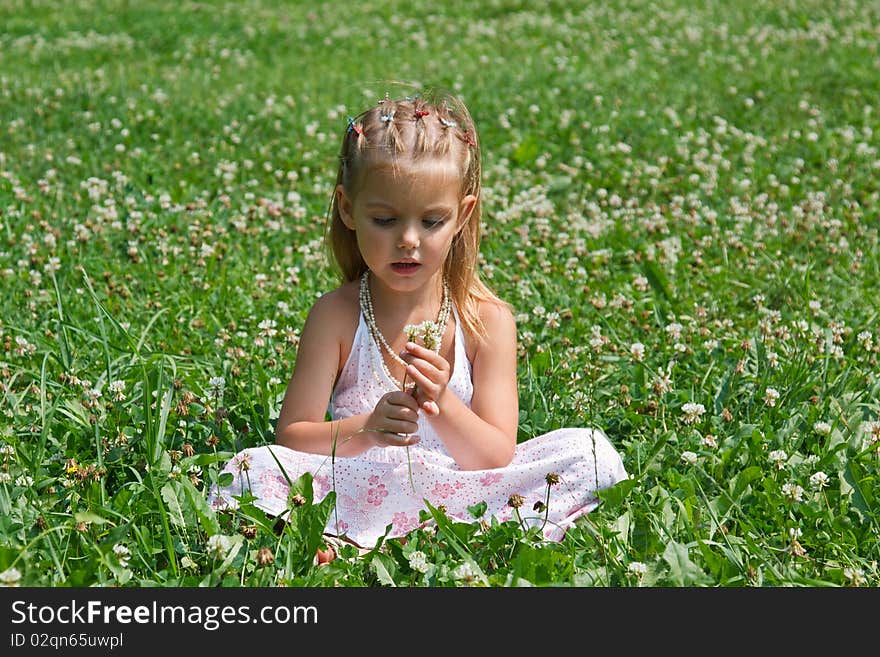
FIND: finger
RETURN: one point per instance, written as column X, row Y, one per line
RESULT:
column 401, row 399
column 391, row 427
column 428, row 369
column 424, row 353
column 400, row 440
column 431, row 408
column 404, row 414
column 426, row 385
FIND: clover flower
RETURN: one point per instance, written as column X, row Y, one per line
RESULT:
column 692, row 412
column 854, row 576
column 637, row 568
column 778, row 457
column 819, row 480
column 822, row 428
column 10, row 577
column 464, row 572
column 637, row 351
column 418, row 561
column 771, row 395
column 218, row 546
column 117, row 387
column 123, row 554
column 793, row 492
column 689, row 458
column 428, row 331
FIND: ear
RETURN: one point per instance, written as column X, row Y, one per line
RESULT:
column 465, row 210
column 343, row 204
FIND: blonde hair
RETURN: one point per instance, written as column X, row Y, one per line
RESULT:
column 436, row 124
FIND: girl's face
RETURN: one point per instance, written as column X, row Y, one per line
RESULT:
column 405, row 218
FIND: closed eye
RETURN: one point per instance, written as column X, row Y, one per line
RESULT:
column 383, row 221
column 433, row 222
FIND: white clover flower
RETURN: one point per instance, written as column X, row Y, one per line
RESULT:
column 464, row 572
column 674, row 330
column 218, row 546
column 793, row 492
column 771, row 395
column 10, row 577
column 242, row 461
column 7, row 450
column 267, row 327
column 822, row 428
column 819, row 480
column 637, row 567
column 778, row 457
column 117, row 387
column 710, row 441
column 689, row 458
column 597, row 340
column 692, row 412
column 637, row 350
column 216, row 383
column 122, row 554
column 418, row 561
column 5, row 477
column 24, row 480
column 815, row 306
column 854, row 576
column 794, row 533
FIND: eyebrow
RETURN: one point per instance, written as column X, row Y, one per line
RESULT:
column 433, row 209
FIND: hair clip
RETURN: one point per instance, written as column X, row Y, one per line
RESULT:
column 352, row 127
column 447, row 124
column 420, row 113
column 468, row 139
column 387, row 118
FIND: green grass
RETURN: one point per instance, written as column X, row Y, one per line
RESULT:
column 701, row 180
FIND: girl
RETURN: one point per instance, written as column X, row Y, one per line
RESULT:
column 415, row 355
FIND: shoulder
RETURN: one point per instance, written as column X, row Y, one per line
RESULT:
column 497, row 318
column 335, row 307
column 499, row 324
column 334, row 318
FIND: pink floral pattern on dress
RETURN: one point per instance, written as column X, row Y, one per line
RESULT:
column 374, row 489
column 273, row 485
column 376, row 495
column 403, row 522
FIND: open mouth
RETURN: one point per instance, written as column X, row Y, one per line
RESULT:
column 405, row 267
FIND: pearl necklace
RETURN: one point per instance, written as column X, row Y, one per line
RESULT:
column 366, row 301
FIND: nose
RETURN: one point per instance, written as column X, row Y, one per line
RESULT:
column 409, row 237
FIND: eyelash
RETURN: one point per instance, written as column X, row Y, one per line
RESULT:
column 386, row 221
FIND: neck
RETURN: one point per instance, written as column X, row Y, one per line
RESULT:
column 419, row 304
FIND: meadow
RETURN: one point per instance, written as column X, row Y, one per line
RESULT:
column 680, row 202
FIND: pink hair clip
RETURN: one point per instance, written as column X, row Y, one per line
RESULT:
column 353, row 127
column 421, row 113
column 468, row 139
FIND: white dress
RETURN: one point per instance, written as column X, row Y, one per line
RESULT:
column 375, row 489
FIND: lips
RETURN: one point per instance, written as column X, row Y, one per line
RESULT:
column 405, row 267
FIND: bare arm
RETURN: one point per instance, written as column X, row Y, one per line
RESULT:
column 484, row 435
column 301, row 423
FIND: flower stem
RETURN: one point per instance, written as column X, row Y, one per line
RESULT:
column 412, row 482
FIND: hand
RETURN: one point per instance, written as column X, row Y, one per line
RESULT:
column 393, row 420
column 431, row 373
